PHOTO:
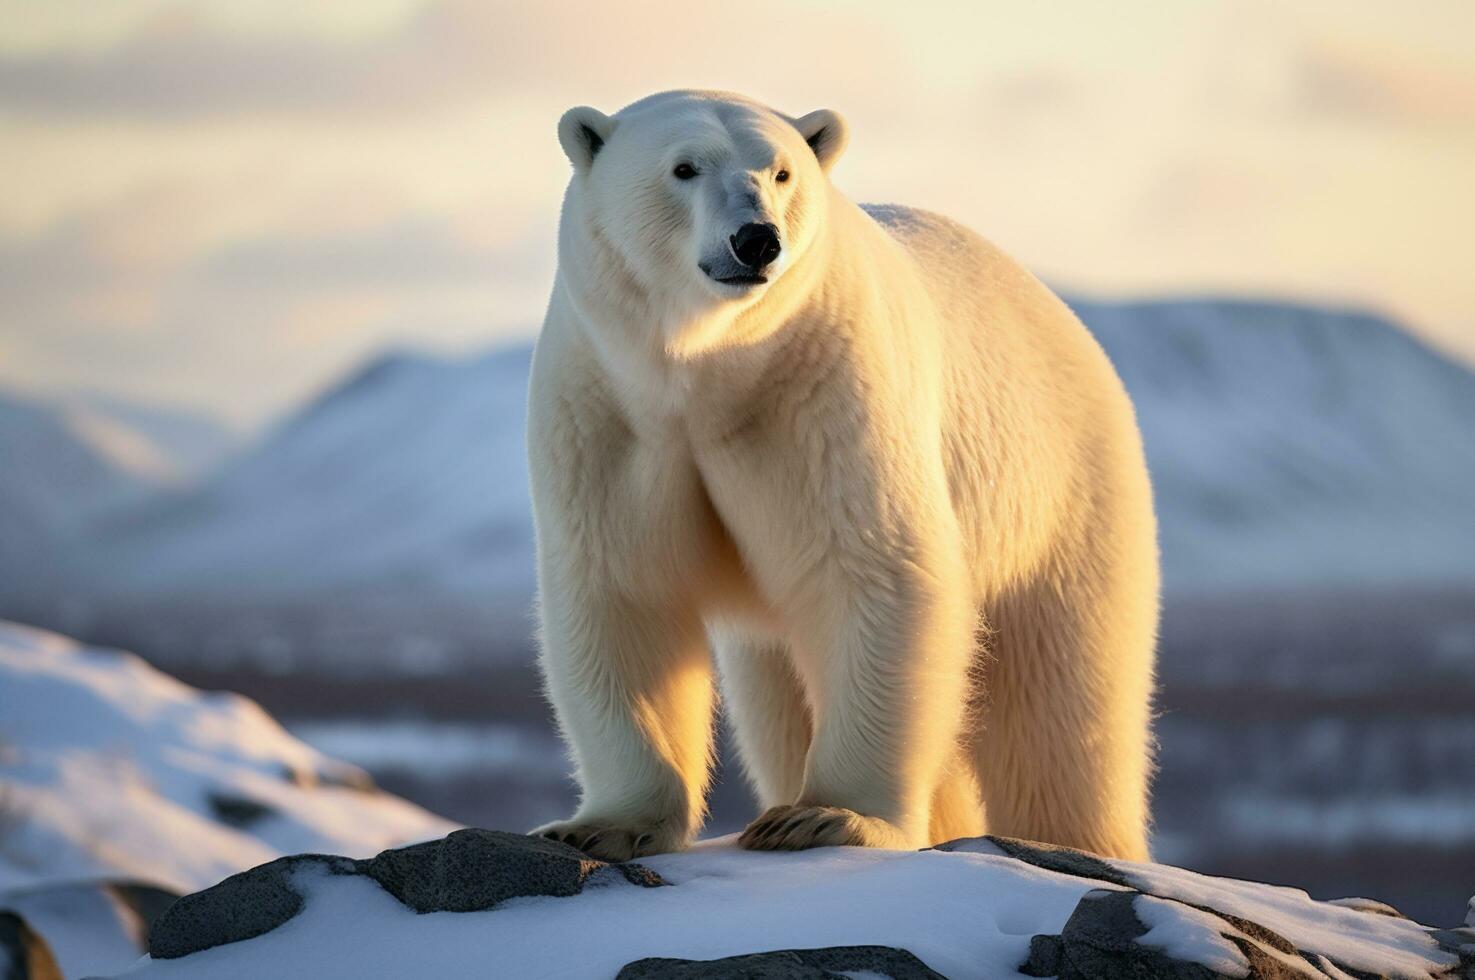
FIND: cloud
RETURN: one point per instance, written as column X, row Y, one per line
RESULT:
column 229, row 214
column 1370, row 86
column 249, row 324
column 413, row 251
column 182, row 67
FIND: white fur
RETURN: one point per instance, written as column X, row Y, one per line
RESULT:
column 898, row 490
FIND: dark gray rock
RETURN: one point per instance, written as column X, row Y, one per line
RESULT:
column 241, row 907
column 1051, row 857
column 471, row 870
column 1046, row 956
column 23, row 954
column 831, row 963
column 466, row 871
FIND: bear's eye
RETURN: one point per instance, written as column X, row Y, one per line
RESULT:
column 684, row 171
column 782, row 176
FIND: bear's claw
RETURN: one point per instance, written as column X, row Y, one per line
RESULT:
column 606, row 841
column 795, row 828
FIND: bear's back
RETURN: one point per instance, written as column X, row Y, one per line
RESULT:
column 991, row 308
column 969, row 278
column 1022, row 376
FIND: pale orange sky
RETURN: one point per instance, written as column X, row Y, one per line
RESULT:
column 225, row 205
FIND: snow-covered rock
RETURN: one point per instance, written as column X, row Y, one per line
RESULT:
column 111, row 769
column 480, row 903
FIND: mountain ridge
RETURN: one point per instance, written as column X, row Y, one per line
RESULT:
column 1290, row 446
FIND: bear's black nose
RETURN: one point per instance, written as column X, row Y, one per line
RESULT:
column 756, row 246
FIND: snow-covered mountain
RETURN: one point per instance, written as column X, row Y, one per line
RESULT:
column 67, row 463
column 1290, row 447
column 408, row 477
column 56, row 470
column 54, row 477
column 1293, row 446
column 167, row 445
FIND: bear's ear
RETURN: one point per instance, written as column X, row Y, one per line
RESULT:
column 826, row 133
column 583, row 131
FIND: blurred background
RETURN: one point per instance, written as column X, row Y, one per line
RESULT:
column 270, row 274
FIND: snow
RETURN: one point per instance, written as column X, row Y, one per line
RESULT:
column 967, row 913
column 1189, row 934
column 961, row 916
column 1378, row 944
column 110, row 768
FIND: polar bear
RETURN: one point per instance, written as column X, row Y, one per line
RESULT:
column 856, row 462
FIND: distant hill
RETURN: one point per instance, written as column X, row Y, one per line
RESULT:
column 410, row 476
column 172, row 444
column 1291, row 447
column 1295, row 446
column 53, row 480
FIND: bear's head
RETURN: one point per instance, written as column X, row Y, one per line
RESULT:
column 687, row 208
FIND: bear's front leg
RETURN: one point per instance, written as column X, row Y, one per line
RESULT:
column 632, row 689
column 621, row 527
column 892, row 650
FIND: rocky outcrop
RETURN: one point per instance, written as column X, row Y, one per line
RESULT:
column 466, row 871
column 982, row 907
column 1111, row 932
column 832, row 963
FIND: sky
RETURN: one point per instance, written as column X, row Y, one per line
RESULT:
column 224, row 206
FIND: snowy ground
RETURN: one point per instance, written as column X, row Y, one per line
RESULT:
column 980, row 910
column 122, row 787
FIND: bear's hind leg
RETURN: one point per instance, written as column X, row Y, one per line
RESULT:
column 957, row 805
column 1064, row 750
